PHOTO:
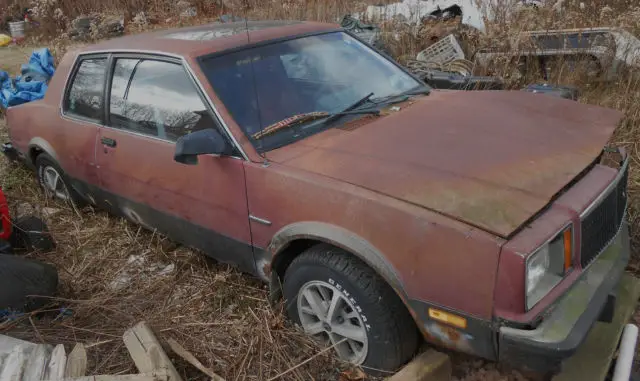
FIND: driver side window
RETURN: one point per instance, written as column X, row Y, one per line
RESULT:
column 156, row 98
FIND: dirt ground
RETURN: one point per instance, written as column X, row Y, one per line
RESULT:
column 12, row 57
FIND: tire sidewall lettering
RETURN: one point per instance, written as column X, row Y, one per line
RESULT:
column 353, row 301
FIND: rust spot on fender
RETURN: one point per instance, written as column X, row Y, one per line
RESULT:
column 449, row 337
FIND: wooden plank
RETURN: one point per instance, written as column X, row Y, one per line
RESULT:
column 427, row 366
column 76, row 362
column 147, row 353
column 157, row 376
column 7, row 343
column 36, row 366
column 14, row 364
column 57, row 364
column 593, row 359
column 185, row 354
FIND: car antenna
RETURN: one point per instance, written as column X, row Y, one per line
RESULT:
column 253, row 75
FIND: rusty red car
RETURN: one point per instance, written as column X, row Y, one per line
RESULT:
column 381, row 211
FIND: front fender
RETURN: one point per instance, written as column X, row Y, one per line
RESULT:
column 339, row 237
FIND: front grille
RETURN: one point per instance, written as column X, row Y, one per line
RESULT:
column 602, row 223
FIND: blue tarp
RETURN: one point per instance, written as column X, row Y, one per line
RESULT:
column 32, row 82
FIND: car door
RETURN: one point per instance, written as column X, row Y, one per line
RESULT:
column 152, row 101
column 75, row 135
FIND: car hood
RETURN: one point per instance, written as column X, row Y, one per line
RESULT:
column 492, row 159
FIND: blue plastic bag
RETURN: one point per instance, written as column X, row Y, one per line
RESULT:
column 31, row 84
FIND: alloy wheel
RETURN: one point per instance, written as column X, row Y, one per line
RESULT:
column 54, row 184
column 329, row 316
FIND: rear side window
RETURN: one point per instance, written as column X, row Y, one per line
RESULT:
column 85, row 96
column 156, row 98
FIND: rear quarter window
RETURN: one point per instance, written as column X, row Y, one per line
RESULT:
column 84, row 97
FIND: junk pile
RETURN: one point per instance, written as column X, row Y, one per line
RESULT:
column 604, row 50
column 32, row 82
column 443, row 66
column 437, row 27
column 416, row 11
column 25, row 361
column 16, row 26
column 96, row 26
column 367, row 32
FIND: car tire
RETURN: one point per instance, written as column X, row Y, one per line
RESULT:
column 46, row 166
column 31, row 233
column 21, row 279
column 380, row 334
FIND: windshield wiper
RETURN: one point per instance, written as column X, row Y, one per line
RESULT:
column 308, row 117
column 353, row 106
column 403, row 96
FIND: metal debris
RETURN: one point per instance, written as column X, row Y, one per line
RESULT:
column 96, row 26
column 367, row 32
column 444, row 51
column 567, row 92
column 414, row 11
column 607, row 49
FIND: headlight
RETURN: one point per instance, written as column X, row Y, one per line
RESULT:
column 548, row 265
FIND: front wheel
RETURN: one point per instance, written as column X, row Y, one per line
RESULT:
column 340, row 301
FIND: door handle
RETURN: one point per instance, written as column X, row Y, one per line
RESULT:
column 108, row 142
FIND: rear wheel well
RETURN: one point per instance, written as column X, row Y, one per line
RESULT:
column 33, row 153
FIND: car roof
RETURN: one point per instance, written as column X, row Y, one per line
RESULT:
column 208, row 38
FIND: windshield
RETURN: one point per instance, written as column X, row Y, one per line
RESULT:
column 322, row 73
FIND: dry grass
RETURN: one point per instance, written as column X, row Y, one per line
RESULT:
column 220, row 315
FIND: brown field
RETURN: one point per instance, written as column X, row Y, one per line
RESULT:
column 220, row 315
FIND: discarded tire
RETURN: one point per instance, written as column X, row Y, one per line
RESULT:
column 31, row 233
column 22, row 279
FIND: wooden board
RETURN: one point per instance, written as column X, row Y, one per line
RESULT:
column 159, row 376
column 76, row 362
column 55, row 369
column 147, row 353
column 7, row 343
column 430, row 365
column 13, row 365
column 593, row 359
column 36, row 365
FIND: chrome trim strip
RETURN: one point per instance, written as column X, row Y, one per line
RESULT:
column 153, row 52
column 594, row 204
column 259, row 220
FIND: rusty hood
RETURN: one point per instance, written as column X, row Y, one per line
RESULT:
column 492, row 159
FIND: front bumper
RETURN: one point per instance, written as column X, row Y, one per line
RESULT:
column 571, row 318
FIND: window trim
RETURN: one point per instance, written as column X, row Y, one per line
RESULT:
column 109, row 54
column 69, row 81
column 150, row 57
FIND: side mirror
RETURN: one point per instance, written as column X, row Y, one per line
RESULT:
column 203, row 142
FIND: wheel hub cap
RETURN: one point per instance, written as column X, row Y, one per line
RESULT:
column 54, row 184
column 327, row 315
